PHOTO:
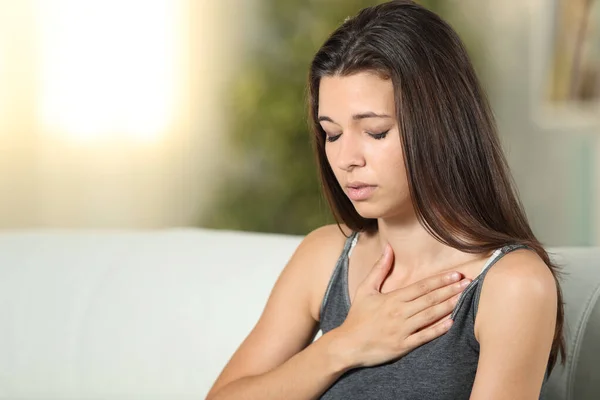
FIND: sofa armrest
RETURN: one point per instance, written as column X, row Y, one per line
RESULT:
column 579, row 378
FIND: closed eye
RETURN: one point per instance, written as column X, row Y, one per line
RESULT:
column 332, row 138
column 379, row 136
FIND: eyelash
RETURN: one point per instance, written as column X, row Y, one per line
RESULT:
column 376, row 136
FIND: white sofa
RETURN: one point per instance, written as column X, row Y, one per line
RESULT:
column 156, row 314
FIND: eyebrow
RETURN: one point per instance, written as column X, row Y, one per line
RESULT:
column 357, row 116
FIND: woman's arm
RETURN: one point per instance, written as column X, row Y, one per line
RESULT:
column 277, row 361
column 304, row 376
column 515, row 326
column 274, row 361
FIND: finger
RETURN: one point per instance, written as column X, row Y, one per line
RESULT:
column 427, row 335
column 431, row 315
column 380, row 270
column 427, row 285
column 450, row 310
column 441, row 321
column 435, row 297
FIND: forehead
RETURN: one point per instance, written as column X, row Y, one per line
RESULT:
column 342, row 96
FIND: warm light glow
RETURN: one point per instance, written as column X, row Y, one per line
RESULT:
column 2, row 80
column 107, row 68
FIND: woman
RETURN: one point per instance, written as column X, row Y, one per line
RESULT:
column 411, row 164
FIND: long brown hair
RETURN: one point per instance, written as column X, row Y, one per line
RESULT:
column 458, row 178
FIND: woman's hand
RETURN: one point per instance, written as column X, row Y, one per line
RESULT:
column 383, row 327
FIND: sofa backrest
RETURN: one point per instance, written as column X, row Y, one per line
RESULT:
column 157, row 314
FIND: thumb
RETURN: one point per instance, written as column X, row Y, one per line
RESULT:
column 380, row 270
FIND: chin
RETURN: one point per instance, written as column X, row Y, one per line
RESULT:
column 369, row 211
column 375, row 210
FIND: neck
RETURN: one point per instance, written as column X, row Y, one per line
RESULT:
column 416, row 251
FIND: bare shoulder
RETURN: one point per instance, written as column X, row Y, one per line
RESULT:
column 520, row 279
column 317, row 256
column 521, row 270
column 515, row 326
column 322, row 239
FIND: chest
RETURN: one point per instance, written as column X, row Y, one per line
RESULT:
column 443, row 369
column 356, row 273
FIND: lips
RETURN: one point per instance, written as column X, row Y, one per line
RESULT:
column 359, row 191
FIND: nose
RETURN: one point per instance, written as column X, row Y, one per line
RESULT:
column 349, row 152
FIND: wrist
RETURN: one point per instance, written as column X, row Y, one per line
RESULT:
column 339, row 352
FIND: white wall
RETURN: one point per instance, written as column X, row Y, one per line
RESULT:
column 554, row 161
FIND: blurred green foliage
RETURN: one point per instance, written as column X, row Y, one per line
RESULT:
column 274, row 187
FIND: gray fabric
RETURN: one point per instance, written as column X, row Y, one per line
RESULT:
column 587, row 374
column 579, row 378
column 443, row 369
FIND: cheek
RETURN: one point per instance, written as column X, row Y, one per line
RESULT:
column 327, row 153
column 331, row 161
column 328, row 156
column 387, row 157
column 391, row 166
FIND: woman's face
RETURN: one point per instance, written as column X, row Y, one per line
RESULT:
column 363, row 147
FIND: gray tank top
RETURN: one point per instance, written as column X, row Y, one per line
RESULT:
column 442, row 369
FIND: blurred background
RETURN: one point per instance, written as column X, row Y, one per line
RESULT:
column 190, row 113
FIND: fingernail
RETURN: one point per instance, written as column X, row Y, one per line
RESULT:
column 454, row 276
column 387, row 249
column 465, row 283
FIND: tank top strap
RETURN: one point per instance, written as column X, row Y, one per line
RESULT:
column 499, row 253
column 353, row 239
column 340, row 270
column 496, row 256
